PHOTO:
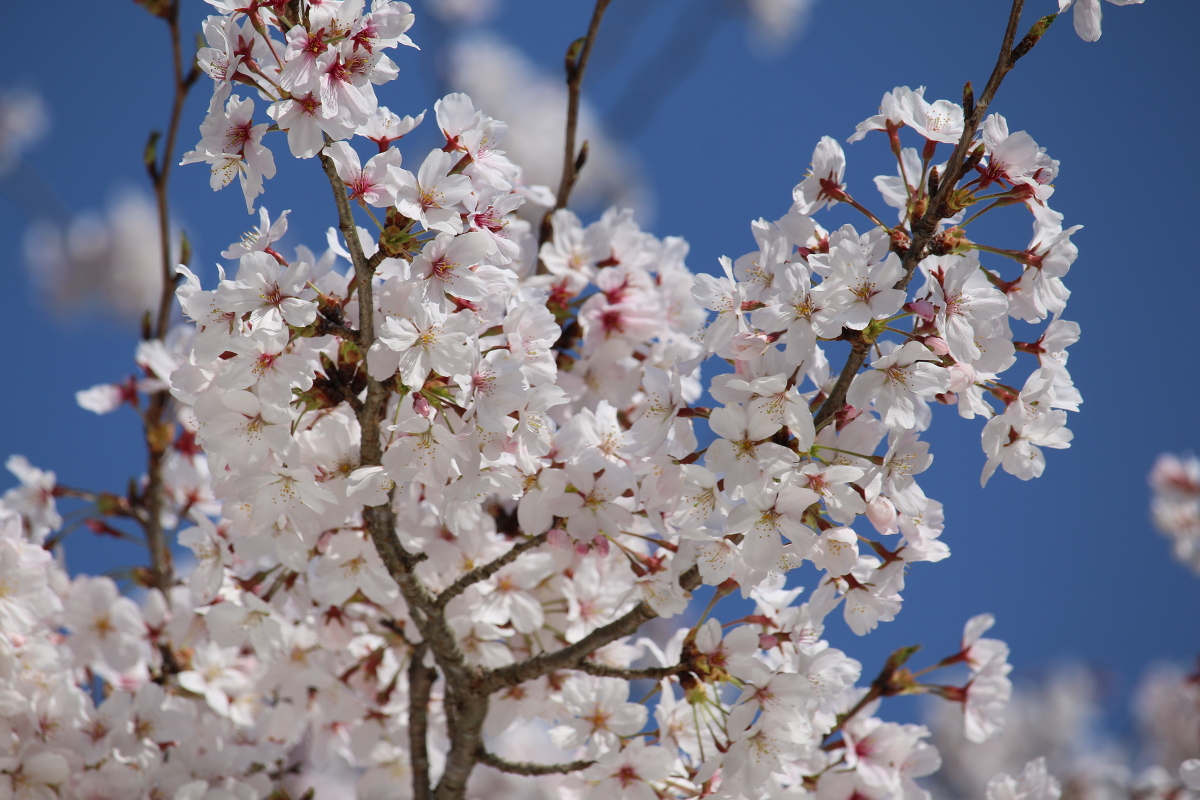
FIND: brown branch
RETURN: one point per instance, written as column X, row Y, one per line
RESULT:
column 578, row 55
column 466, row 708
column 420, row 683
column 380, row 520
column 466, row 711
column 629, row 674
column 892, row 680
column 326, row 327
column 859, row 348
column 162, row 172
column 924, row 228
column 528, row 768
column 378, row 258
column 573, row 655
column 576, row 67
column 659, row 76
column 485, row 571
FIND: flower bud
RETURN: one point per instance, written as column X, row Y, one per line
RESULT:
column 923, row 309
column 962, row 377
column 557, row 538
column 882, row 514
column 937, row 345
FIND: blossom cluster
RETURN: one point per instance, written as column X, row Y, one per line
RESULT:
column 445, row 487
column 1060, row 719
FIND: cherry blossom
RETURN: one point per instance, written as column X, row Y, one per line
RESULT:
column 438, row 478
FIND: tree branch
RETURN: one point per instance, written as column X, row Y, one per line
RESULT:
column 629, row 674
column 859, row 347
column 578, row 55
column 573, row 655
column 892, row 680
column 326, row 327
column 660, row 75
column 527, row 768
column 420, row 683
column 466, row 708
column 485, row 571
column 924, row 228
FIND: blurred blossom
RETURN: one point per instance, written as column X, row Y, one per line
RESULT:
column 23, row 120
column 507, row 86
column 463, row 11
column 1168, row 711
column 1060, row 719
column 778, row 22
column 1054, row 720
column 110, row 261
column 1176, row 505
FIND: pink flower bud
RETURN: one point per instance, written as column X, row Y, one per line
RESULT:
column 422, row 407
column 923, row 309
column 600, row 543
column 937, row 345
column 557, row 538
column 766, row 641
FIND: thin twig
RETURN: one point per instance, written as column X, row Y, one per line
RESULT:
column 328, row 328
column 162, row 174
column 578, row 55
column 660, row 75
column 575, row 70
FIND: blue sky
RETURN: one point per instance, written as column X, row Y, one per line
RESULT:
column 1068, row 563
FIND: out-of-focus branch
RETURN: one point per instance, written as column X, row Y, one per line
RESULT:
column 159, row 430
column 660, row 75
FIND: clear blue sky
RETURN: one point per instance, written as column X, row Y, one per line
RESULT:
column 1068, row 563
